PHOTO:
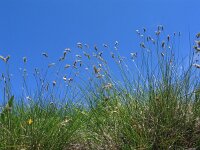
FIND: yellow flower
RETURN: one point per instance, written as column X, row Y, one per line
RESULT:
column 30, row 121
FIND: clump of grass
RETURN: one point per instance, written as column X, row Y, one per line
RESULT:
column 154, row 104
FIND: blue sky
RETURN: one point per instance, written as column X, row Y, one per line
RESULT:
column 30, row 27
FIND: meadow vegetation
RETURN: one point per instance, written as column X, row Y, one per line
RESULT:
column 153, row 103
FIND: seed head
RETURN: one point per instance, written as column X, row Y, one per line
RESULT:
column 197, row 48
column 67, row 49
column 112, row 55
column 45, row 55
column 198, row 35
column 160, row 28
column 28, row 98
column 80, row 62
column 24, row 59
column 54, row 83
column 87, row 46
column 138, row 32
column 105, row 45
column 87, row 55
column 64, row 123
column 5, row 59
column 70, row 79
column 67, row 66
column 74, row 64
column 79, row 45
column 142, row 45
column 96, row 71
column 116, row 43
column 157, row 33
column 65, row 78
column 168, row 38
column 79, row 56
column 133, row 55
column 51, row 65
column 163, row 44
column 197, row 43
column 144, row 30
column 2, row 58
column 95, row 47
column 99, row 76
column 197, row 65
column 100, row 54
column 108, row 86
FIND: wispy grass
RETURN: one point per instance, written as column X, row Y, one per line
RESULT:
column 154, row 103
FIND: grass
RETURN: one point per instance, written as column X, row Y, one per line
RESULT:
column 154, row 106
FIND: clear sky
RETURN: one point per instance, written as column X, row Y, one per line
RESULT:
column 30, row 27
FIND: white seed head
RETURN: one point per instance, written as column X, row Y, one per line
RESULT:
column 24, row 59
column 198, row 35
column 51, row 65
column 116, row 43
column 45, row 55
column 28, row 98
column 65, row 78
column 108, row 86
column 142, row 45
column 197, row 65
column 79, row 56
column 54, row 83
column 5, row 59
column 67, row 66
column 197, row 48
column 138, row 32
column 87, row 46
column 2, row 58
column 67, row 49
column 112, row 55
column 133, row 55
column 79, row 45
